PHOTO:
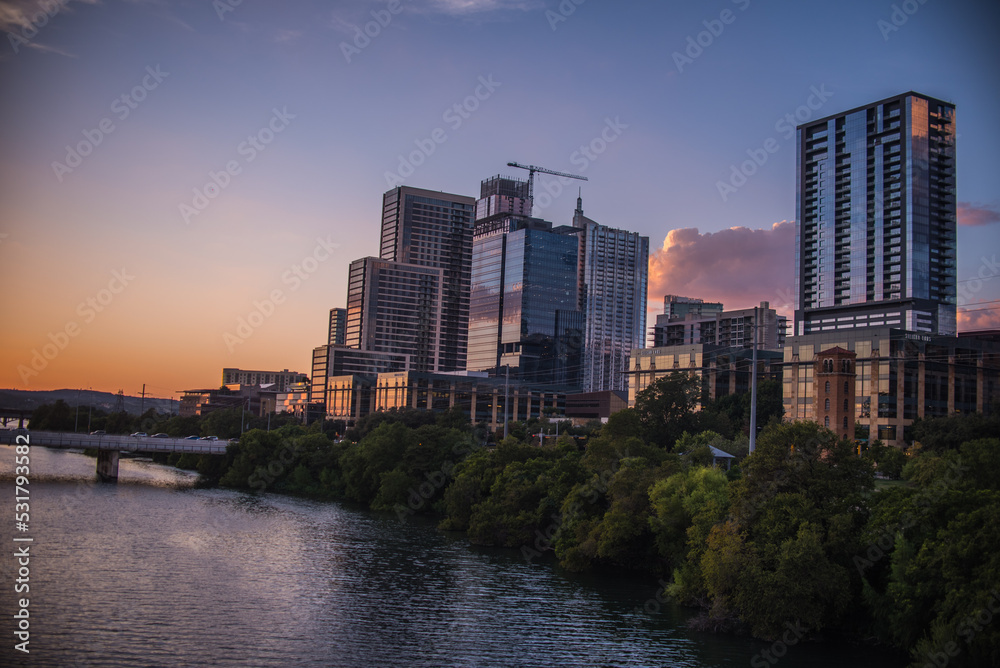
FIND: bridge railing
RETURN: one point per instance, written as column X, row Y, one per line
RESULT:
column 55, row 439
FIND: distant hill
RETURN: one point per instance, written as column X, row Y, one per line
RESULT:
column 30, row 399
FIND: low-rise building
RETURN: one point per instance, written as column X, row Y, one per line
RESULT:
column 898, row 376
column 297, row 401
column 353, row 396
column 679, row 326
column 280, row 379
column 586, row 406
column 722, row 370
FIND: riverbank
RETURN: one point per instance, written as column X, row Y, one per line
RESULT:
column 796, row 538
column 152, row 571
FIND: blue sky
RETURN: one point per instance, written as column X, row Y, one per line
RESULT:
column 301, row 121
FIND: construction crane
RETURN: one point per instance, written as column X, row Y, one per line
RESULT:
column 531, row 176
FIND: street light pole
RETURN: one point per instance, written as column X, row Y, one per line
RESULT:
column 506, row 390
column 76, row 423
column 753, row 387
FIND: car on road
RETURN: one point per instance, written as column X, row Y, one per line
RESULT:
column 209, row 438
column 192, row 438
column 161, row 435
column 140, row 433
column 99, row 432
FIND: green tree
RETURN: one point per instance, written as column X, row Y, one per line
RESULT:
column 795, row 527
column 684, row 508
column 408, row 417
column 224, row 423
column 887, row 460
column 379, row 452
column 666, row 408
column 950, row 432
column 53, row 417
column 474, row 477
column 933, row 566
column 258, row 460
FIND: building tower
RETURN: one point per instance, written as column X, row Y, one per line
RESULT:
column 612, row 283
column 834, row 376
column 394, row 307
column 434, row 229
column 523, row 310
column 876, row 218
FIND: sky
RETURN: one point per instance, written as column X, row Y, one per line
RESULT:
column 183, row 184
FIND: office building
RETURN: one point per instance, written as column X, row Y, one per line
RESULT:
column 485, row 400
column 281, row 380
column 394, row 307
column 253, row 399
column 724, row 328
column 876, row 218
column 339, row 362
column 584, row 407
column 524, row 317
column 721, row 370
column 897, row 377
column 297, row 401
column 613, row 276
column 434, row 230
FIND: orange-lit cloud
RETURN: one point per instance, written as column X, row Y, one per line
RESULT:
column 975, row 215
column 739, row 267
column 975, row 320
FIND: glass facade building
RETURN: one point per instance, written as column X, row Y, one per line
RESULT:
column 523, row 310
column 434, row 229
column 614, row 267
column 876, row 218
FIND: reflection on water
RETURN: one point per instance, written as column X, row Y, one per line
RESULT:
column 153, row 571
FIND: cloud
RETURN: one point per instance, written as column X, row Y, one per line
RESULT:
column 347, row 20
column 739, row 267
column 51, row 49
column 285, row 35
column 16, row 15
column 973, row 214
column 480, row 6
column 983, row 318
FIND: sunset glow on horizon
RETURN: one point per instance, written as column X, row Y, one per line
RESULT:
column 182, row 189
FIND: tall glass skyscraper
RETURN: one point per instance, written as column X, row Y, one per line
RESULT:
column 524, row 312
column 614, row 267
column 434, row 229
column 876, row 218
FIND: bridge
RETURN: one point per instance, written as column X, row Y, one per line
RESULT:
column 110, row 446
column 11, row 414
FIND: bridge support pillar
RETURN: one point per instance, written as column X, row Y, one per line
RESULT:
column 107, row 465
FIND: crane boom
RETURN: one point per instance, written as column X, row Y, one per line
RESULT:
column 531, row 176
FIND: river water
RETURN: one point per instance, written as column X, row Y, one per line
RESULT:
column 153, row 572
